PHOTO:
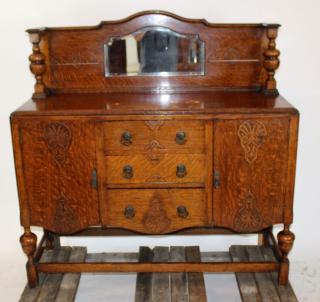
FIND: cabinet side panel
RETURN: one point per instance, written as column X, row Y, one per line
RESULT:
column 293, row 142
column 58, row 160
column 23, row 201
column 251, row 156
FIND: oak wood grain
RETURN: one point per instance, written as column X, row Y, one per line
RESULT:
column 155, row 211
column 257, row 154
column 234, row 57
column 158, row 172
column 59, row 156
column 161, row 133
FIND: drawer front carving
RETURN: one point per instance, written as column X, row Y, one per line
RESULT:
column 172, row 168
column 155, row 211
column 153, row 138
column 250, row 157
column 59, row 163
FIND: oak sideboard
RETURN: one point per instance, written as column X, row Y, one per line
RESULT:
column 155, row 124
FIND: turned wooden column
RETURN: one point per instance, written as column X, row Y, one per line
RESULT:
column 37, row 65
column 285, row 243
column 29, row 244
column 271, row 62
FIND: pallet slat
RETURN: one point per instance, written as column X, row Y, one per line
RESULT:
column 111, row 257
column 31, row 294
column 286, row 292
column 50, row 286
column 69, row 284
column 163, row 286
column 197, row 290
column 161, row 281
column 246, row 281
column 144, row 280
column 266, row 287
column 179, row 281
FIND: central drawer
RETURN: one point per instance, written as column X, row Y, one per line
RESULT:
column 168, row 168
column 155, row 211
column 156, row 136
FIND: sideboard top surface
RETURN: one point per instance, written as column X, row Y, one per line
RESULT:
column 152, row 103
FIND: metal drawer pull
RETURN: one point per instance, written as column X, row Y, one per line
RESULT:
column 127, row 171
column 126, row 138
column 129, row 212
column 181, row 137
column 182, row 212
column 181, row 171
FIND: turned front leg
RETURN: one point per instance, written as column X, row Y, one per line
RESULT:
column 29, row 244
column 285, row 243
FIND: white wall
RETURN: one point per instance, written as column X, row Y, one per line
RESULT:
column 297, row 80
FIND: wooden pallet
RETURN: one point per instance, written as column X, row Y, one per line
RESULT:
column 154, row 287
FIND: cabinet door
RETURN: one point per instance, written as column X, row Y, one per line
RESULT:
column 250, row 166
column 58, row 159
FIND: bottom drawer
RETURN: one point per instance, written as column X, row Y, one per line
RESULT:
column 155, row 211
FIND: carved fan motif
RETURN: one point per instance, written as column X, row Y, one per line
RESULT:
column 156, row 220
column 58, row 139
column 154, row 151
column 231, row 54
column 251, row 134
column 65, row 217
column 248, row 218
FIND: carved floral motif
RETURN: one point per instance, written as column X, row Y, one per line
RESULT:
column 154, row 151
column 251, row 134
column 65, row 217
column 156, row 220
column 154, row 125
column 248, row 218
column 58, row 139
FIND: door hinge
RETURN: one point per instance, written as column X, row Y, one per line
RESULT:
column 216, row 179
column 94, row 179
column 20, row 136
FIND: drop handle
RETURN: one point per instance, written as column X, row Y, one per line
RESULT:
column 181, row 137
column 127, row 171
column 129, row 212
column 182, row 212
column 181, row 171
column 126, row 138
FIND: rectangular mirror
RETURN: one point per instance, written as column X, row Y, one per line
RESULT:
column 156, row 51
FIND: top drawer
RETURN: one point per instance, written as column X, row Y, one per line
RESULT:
column 137, row 136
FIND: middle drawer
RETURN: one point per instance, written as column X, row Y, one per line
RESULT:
column 170, row 168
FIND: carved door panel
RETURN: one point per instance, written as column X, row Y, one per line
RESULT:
column 250, row 164
column 58, row 158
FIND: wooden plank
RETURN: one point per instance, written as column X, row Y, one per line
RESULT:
column 196, row 285
column 215, row 256
column 50, row 286
column 109, row 257
column 70, row 282
column 144, row 280
column 286, row 292
column 246, row 281
column 179, row 281
column 267, row 290
column 31, row 294
column 160, row 281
